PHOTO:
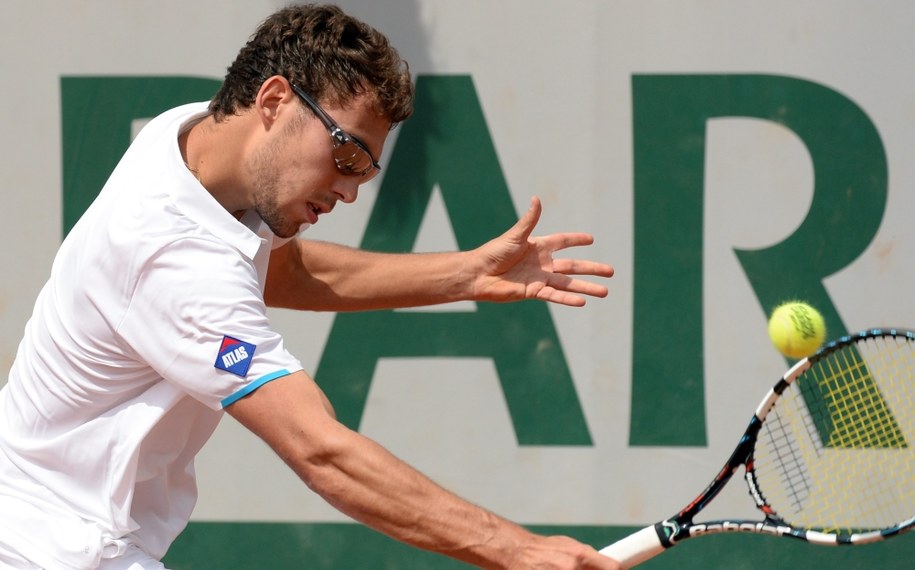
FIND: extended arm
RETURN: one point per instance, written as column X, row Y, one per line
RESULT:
column 511, row 267
column 364, row 481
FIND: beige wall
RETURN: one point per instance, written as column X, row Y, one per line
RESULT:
column 554, row 82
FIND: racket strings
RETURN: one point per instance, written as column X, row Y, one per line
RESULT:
column 785, row 452
column 854, row 405
column 835, row 453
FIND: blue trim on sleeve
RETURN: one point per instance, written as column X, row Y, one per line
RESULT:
column 253, row 386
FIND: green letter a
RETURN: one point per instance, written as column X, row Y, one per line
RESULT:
column 447, row 145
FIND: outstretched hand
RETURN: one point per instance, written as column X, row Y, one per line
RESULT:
column 515, row 266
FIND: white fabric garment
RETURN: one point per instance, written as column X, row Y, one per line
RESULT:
column 151, row 322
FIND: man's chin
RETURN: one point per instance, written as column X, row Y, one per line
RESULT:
column 287, row 232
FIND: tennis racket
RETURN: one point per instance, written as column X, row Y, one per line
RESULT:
column 828, row 457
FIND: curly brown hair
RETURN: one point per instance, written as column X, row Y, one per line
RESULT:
column 331, row 55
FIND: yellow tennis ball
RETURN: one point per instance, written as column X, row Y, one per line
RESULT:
column 796, row 329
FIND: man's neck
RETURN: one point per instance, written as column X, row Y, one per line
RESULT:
column 212, row 152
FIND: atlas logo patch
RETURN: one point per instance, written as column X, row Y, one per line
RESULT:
column 235, row 356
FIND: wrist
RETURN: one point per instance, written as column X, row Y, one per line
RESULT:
column 500, row 545
column 466, row 277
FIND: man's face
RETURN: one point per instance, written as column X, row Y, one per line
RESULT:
column 295, row 177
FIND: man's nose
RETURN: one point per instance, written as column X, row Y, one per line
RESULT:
column 348, row 192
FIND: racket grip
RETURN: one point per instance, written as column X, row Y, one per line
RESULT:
column 635, row 548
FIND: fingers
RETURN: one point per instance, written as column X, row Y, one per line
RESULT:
column 560, row 297
column 581, row 287
column 556, row 242
column 562, row 287
column 570, row 292
column 571, row 267
column 582, row 267
column 526, row 224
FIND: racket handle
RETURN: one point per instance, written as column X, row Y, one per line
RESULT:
column 635, row 548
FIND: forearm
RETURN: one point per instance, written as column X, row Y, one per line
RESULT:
column 369, row 484
column 372, row 486
column 366, row 482
column 510, row 267
column 322, row 276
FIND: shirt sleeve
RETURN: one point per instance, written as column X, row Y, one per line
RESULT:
column 197, row 316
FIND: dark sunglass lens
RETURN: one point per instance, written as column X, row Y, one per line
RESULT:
column 352, row 159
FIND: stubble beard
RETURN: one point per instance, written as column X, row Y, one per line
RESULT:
column 266, row 203
column 266, row 206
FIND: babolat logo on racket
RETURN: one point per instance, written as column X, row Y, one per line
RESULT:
column 738, row 526
column 235, row 356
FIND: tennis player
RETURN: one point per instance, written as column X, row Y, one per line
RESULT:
column 154, row 323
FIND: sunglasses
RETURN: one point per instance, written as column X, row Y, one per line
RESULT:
column 351, row 155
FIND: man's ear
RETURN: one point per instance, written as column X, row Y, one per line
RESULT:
column 273, row 98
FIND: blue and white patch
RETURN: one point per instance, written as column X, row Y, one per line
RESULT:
column 235, row 356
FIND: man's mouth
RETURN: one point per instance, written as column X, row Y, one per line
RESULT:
column 314, row 212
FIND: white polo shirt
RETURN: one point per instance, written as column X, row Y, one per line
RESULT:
column 152, row 321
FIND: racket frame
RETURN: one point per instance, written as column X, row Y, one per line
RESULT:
column 654, row 539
